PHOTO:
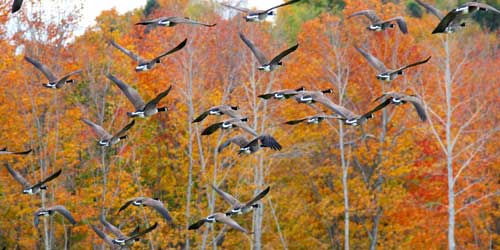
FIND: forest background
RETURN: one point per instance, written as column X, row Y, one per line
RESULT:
column 397, row 183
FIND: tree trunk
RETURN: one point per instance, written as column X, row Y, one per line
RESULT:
column 449, row 153
column 190, row 143
column 345, row 173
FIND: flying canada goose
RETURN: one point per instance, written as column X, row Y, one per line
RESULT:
column 265, row 64
column 452, row 26
column 218, row 217
column 455, row 17
column 250, row 147
column 142, row 109
column 378, row 24
column 28, row 188
column 134, row 237
column 282, row 94
column 384, row 73
column 54, row 82
column 227, row 124
column 231, row 111
column 107, row 239
column 309, row 97
column 347, row 116
column 121, row 243
column 4, row 151
column 16, row 5
column 400, row 98
column 246, row 147
column 50, row 211
column 145, row 201
column 258, row 15
column 105, row 138
column 144, row 64
column 316, row 119
column 236, row 206
column 172, row 21
column 112, row 228
column 121, row 239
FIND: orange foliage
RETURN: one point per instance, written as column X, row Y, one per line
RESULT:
column 396, row 171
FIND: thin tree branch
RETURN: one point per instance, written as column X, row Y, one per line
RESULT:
column 477, row 201
column 467, row 187
column 468, row 161
column 463, row 126
column 276, row 220
column 438, row 138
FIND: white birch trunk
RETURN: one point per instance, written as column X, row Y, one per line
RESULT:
column 449, row 151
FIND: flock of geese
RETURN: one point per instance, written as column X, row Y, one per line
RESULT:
column 449, row 23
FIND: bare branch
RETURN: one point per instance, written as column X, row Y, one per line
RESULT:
column 477, row 201
column 466, row 101
column 471, row 145
column 468, row 187
column 468, row 161
column 459, row 66
column 441, row 121
column 280, row 233
column 438, row 138
column 465, row 125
